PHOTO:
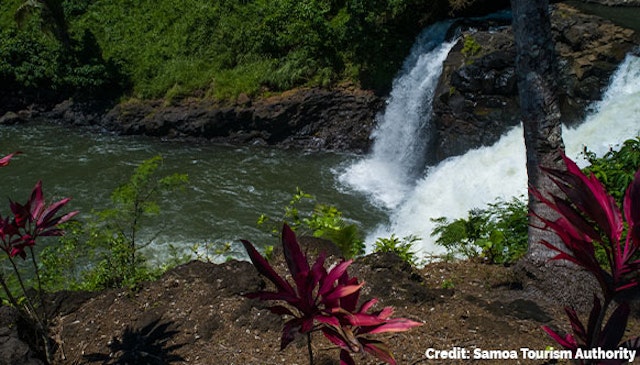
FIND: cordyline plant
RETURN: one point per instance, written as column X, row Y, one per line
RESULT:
column 325, row 300
column 589, row 216
column 18, row 234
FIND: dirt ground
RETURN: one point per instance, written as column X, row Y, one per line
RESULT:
column 196, row 314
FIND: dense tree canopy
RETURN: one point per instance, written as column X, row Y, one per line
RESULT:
column 217, row 48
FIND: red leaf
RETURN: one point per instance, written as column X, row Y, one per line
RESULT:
column 345, row 358
column 350, row 301
column 266, row 270
column 330, row 320
column 4, row 161
column 632, row 208
column 343, row 291
column 334, row 274
column 593, row 318
column 289, row 332
column 614, row 329
column 335, row 337
column 385, row 313
column 395, row 325
column 296, row 260
column 576, row 324
column 36, row 201
column 379, row 350
column 364, row 320
column 567, row 342
column 367, row 305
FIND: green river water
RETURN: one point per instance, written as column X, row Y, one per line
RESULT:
column 229, row 186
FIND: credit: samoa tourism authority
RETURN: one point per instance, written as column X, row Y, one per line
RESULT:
column 461, row 353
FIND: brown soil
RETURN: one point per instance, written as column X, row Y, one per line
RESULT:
column 195, row 314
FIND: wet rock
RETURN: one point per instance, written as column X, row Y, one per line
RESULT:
column 10, row 118
column 315, row 119
column 476, row 100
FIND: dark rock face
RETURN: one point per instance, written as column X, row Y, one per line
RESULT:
column 314, row 119
column 476, row 99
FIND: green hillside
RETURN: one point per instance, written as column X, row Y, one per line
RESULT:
column 216, row 48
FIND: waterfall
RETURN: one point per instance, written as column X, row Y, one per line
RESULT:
column 482, row 175
column 401, row 138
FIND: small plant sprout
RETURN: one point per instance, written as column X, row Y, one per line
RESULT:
column 325, row 300
column 589, row 216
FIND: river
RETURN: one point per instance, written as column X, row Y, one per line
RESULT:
column 229, row 187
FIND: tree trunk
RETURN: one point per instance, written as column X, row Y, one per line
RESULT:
column 540, row 113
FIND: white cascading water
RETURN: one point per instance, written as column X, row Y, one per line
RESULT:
column 482, row 175
column 396, row 161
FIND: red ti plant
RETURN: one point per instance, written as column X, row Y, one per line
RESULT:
column 18, row 233
column 326, row 301
column 589, row 216
column 356, row 325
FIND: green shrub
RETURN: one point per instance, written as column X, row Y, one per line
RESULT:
column 62, row 265
column 615, row 170
column 470, row 47
column 498, row 233
column 39, row 53
column 403, row 247
column 319, row 220
column 28, row 61
column 116, row 233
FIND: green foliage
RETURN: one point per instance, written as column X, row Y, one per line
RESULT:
column 29, row 61
column 223, row 48
column 42, row 56
column 62, row 265
column 105, row 253
column 210, row 251
column 471, row 48
column 319, row 220
column 615, row 170
column 401, row 247
column 497, row 233
column 447, row 284
column 117, row 228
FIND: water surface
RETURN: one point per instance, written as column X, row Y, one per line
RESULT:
column 229, row 186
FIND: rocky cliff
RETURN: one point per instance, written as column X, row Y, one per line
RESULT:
column 476, row 99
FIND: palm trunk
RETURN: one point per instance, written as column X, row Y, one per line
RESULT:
column 537, row 89
column 540, row 113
